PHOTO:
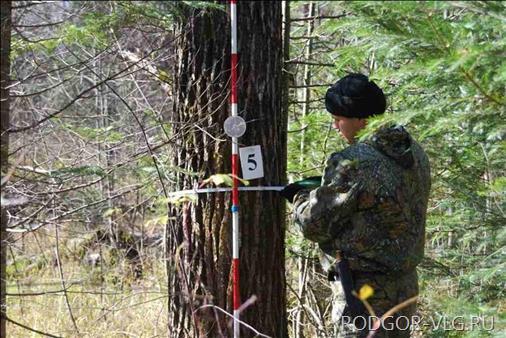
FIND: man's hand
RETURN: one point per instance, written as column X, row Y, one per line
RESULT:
column 292, row 189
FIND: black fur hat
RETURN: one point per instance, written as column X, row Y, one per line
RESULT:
column 355, row 96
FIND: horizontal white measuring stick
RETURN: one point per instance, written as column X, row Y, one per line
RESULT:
column 208, row 190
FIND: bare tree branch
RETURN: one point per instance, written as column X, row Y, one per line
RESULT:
column 31, row 329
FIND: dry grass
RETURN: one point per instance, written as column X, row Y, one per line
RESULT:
column 106, row 300
column 138, row 310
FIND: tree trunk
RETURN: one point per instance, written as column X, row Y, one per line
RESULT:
column 5, row 22
column 199, row 231
column 306, row 91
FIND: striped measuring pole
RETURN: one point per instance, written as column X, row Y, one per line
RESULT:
column 235, row 172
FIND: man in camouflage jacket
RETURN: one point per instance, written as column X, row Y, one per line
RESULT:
column 371, row 206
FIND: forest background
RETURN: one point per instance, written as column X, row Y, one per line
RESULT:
column 90, row 95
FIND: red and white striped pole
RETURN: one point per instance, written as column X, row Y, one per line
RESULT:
column 235, row 173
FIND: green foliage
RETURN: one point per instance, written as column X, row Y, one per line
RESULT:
column 442, row 67
column 95, row 28
column 90, row 33
column 143, row 13
column 445, row 64
column 462, row 312
column 320, row 140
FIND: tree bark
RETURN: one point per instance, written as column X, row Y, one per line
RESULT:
column 199, row 232
column 5, row 23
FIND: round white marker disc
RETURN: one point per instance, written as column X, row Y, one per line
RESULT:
column 234, row 126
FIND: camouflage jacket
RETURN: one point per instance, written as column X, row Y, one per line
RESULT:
column 372, row 204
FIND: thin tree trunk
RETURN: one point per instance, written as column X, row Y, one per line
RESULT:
column 306, row 91
column 306, row 98
column 5, row 23
column 199, row 232
column 287, row 66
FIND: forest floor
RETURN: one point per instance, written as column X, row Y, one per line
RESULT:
column 109, row 294
column 106, row 294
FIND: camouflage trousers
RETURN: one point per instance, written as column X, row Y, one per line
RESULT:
column 387, row 295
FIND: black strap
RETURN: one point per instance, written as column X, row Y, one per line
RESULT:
column 354, row 304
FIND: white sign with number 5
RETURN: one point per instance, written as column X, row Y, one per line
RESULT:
column 251, row 162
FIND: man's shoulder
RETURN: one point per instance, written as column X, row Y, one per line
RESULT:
column 352, row 151
column 387, row 146
column 359, row 153
column 351, row 164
